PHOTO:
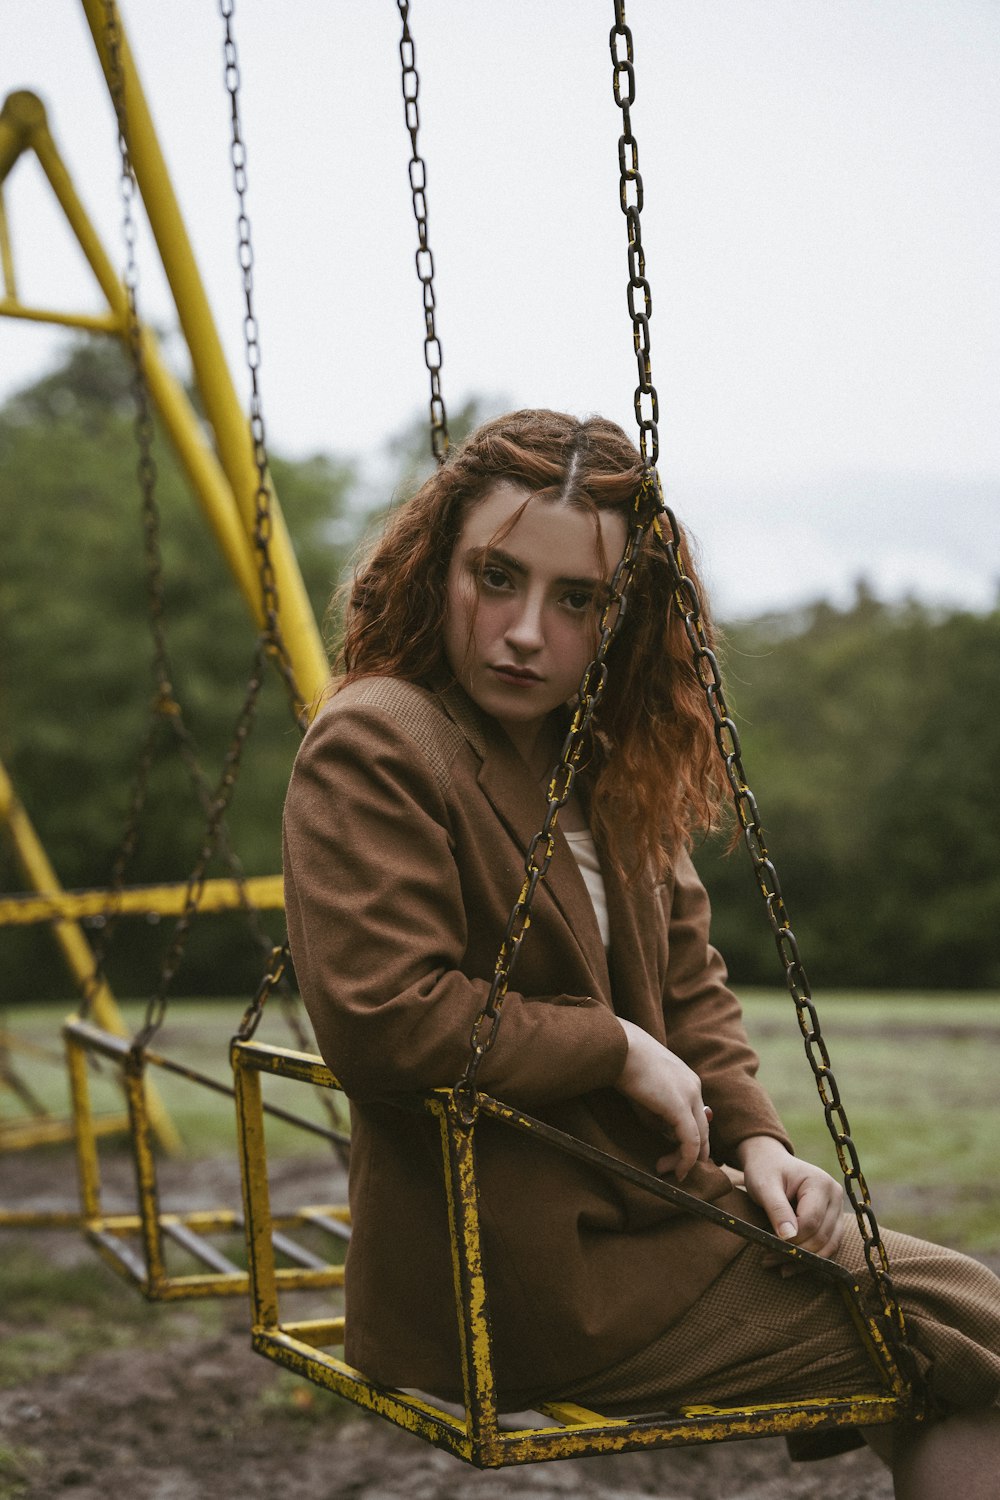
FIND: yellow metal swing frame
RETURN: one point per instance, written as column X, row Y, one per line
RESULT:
column 571, row 1430
column 135, row 1244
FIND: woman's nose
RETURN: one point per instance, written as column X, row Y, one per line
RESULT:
column 524, row 629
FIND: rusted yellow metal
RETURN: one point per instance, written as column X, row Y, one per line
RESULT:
column 569, row 1430
column 256, row 1198
column 38, row 873
column 136, row 1244
column 225, row 490
column 88, row 1167
column 263, row 892
column 458, row 1151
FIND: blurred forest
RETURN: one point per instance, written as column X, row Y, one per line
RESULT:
column 871, row 734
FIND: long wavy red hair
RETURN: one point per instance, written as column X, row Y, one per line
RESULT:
column 652, row 769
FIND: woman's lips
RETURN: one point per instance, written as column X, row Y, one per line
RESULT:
column 521, row 676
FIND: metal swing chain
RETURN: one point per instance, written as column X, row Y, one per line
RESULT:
column 542, row 846
column 165, row 706
column 272, row 640
column 263, row 507
column 214, row 801
column 727, row 739
column 424, row 255
column 278, row 956
column 281, row 956
column 645, row 400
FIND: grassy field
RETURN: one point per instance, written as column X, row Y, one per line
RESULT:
column 917, row 1075
column 106, row 1393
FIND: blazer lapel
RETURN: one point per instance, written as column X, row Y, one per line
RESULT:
column 521, row 805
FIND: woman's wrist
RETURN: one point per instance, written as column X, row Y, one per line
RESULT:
column 757, row 1148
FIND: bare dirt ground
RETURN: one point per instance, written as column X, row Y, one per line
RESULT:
column 169, row 1403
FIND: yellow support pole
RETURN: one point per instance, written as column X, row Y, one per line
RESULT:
column 223, row 409
column 6, row 255
column 72, row 942
column 262, row 892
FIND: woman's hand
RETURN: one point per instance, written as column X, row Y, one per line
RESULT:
column 803, row 1203
column 660, row 1085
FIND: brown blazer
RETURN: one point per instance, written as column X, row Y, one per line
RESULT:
column 406, row 825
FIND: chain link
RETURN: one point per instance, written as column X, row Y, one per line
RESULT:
column 685, row 597
column 157, row 1007
column 645, row 401
column 263, row 499
column 279, row 958
column 424, row 255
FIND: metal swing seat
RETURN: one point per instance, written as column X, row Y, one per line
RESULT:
column 142, row 1244
column 481, row 1436
column 175, row 1254
column 569, row 1429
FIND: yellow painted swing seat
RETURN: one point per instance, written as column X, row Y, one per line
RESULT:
column 135, row 1244
column 569, row 1430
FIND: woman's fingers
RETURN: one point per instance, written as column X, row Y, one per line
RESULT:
column 660, row 1084
column 820, row 1213
column 803, row 1203
column 773, row 1200
column 695, row 1148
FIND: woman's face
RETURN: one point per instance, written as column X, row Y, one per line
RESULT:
column 523, row 604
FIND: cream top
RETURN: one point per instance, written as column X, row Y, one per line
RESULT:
column 585, row 854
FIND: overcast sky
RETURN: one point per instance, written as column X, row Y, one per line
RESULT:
column 822, row 206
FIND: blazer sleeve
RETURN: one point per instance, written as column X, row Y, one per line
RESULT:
column 704, row 1022
column 378, row 931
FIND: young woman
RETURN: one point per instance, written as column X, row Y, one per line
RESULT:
column 414, row 797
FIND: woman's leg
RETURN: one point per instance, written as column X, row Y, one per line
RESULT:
column 957, row 1456
column 754, row 1336
column 953, row 1312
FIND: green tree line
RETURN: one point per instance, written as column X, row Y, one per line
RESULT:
column 872, row 741
column 870, row 733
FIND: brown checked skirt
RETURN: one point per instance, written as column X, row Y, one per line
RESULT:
column 757, row 1336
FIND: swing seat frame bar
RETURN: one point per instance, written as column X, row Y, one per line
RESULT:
column 571, row 1430
column 134, row 1244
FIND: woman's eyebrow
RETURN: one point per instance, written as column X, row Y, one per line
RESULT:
column 483, row 555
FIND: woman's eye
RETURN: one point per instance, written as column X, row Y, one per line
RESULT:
column 492, row 577
column 578, row 600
